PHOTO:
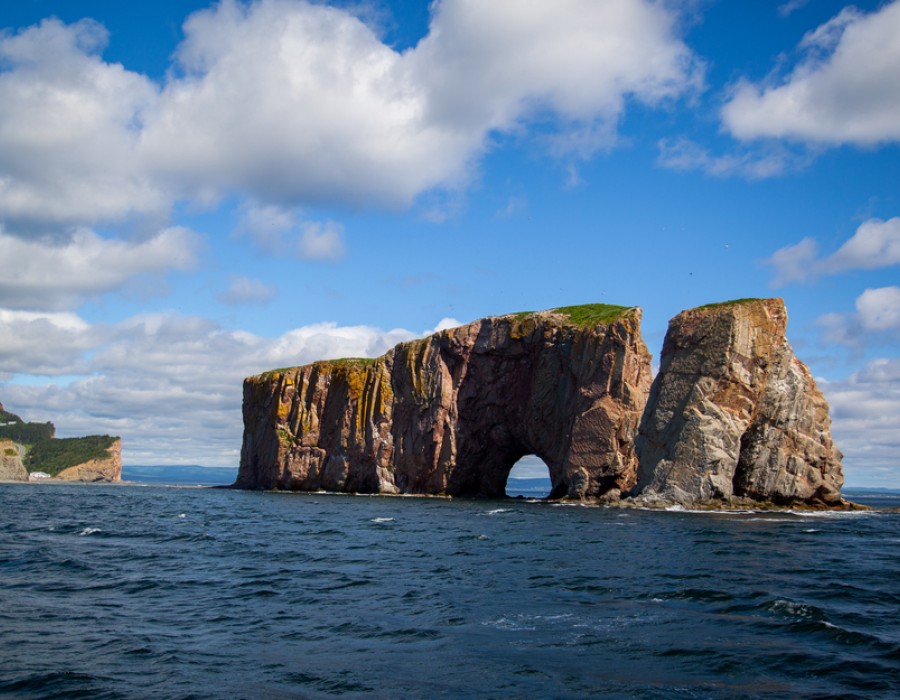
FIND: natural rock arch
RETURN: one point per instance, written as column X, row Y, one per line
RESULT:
column 452, row 413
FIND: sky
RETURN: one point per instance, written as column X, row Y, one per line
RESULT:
column 195, row 192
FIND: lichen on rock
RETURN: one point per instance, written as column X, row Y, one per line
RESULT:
column 733, row 416
column 452, row 413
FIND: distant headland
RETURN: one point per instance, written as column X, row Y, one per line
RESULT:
column 32, row 452
column 732, row 419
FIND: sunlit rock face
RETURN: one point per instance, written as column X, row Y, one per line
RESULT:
column 11, row 466
column 734, row 414
column 104, row 469
column 452, row 413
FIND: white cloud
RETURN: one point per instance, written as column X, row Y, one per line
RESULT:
column 44, row 343
column 791, row 6
column 683, row 154
column 321, row 241
column 865, row 409
column 69, row 130
column 287, row 103
column 282, row 231
column 844, row 90
column 170, row 385
column 490, row 65
column 39, row 274
column 267, row 225
column 877, row 316
column 244, row 290
column 879, row 309
column 876, row 244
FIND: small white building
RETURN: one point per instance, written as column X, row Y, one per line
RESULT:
column 37, row 476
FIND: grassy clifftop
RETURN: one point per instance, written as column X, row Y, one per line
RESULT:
column 52, row 456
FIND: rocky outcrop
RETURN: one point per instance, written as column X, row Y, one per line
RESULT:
column 733, row 414
column 105, row 469
column 11, row 466
column 452, row 413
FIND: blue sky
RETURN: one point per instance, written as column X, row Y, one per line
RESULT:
column 192, row 192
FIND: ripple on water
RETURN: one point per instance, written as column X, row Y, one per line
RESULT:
column 192, row 593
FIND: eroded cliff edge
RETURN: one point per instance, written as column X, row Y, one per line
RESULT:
column 452, row 413
column 733, row 414
column 31, row 451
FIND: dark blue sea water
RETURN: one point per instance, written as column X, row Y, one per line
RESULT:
column 150, row 592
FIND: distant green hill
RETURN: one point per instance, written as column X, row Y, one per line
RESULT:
column 52, row 456
column 44, row 452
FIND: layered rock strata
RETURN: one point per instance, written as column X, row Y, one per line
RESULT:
column 452, row 413
column 734, row 414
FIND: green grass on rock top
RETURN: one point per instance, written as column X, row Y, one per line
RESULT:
column 732, row 302
column 52, row 456
column 593, row 314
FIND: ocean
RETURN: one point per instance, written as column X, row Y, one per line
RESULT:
column 153, row 592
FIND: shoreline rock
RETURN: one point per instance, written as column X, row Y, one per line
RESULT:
column 734, row 414
column 451, row 414
column 732, row 418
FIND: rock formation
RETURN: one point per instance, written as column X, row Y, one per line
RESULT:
column 28, row 449
column 11, row 466
column 105, row 469
column 734, row 414
column 452, row 413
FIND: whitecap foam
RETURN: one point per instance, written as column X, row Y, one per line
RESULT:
column 381, row 520
column 497, row 511
column 89, row 531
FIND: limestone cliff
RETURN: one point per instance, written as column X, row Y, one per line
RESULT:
column 734, row 414
column 452, row 413
column 107, row 469
column 11, row 466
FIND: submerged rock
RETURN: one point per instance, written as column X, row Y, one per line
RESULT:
column 734, row 414
column 452, row 413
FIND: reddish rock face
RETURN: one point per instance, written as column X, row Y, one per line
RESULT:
column 734, row 414
column 451, row 414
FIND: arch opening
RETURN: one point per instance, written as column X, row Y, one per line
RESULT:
column 529, row 478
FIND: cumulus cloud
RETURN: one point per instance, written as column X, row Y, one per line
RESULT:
column 50, row 274
column 288, row 102
column 70, row 125
column 865, row 409
column 877, row 315
column 876, row 244
column 879, row 309
column 44, row 343
column 489, row 65
column 244, row 290
column 844, row 90
column 169, row 384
